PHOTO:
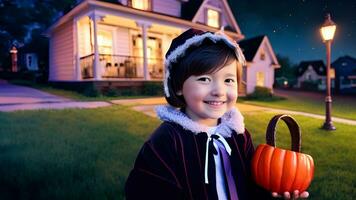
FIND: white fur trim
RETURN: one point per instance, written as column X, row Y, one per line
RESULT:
column 196, row 41
column 231, row 120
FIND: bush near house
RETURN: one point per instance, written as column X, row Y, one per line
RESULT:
column 310, row 85
column 260, row 93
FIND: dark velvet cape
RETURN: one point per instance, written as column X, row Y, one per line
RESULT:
column 170, row 165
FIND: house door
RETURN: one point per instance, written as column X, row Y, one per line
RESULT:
column 260, row 79
column 154, row 55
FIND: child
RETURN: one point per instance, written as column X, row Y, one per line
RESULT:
column 202, row 150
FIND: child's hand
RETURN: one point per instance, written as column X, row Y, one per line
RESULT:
column 296, row 195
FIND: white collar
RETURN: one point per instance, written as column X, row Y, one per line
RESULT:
column 231, row 120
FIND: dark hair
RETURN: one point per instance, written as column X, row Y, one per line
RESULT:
column 205, row 59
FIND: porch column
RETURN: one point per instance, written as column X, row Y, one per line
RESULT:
column 144, row 26
column 96, row 70
column 78, row 74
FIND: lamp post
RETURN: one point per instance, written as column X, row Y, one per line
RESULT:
column 13, row 52
column 327, row 31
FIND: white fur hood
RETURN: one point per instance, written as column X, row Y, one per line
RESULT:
column 231, row 120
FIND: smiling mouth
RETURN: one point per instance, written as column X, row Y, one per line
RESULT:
column 215, row 103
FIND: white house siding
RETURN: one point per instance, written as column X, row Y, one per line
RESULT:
column 168, row 7
column 122, row 41
column 201, row 18
column 259, row 65
column 62, row 53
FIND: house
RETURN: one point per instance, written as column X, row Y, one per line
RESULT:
column 261, row 63
column 311, row 75
column 122, row 43
column 345, row 75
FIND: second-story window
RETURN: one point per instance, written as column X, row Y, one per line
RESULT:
column 213, row 18
column 140, row 4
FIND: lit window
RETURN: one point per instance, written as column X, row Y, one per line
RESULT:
column 141, row 4
column 105, row 42
column 260, row 79
column 213, row 18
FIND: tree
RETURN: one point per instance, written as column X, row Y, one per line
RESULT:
column 286, row 72
column 22, row 23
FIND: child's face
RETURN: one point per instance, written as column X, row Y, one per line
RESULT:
column 209, row 96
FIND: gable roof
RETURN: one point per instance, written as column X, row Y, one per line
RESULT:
column 250, row 46
column 190, row 8
column 345, row 66
column 199, row 5
column 318, row 67
column 345, row 58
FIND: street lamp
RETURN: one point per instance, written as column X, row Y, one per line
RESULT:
column 327, row 31
column 13, row 52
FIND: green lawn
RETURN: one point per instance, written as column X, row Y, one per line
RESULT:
column 87, row 154
column 71, row 94
column 344, row 108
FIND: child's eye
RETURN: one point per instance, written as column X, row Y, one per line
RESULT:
column 229, row 80
column 204, row 79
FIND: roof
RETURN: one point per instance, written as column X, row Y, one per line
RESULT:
column 190, row 8
column 345, row 66
column 318, row 66
column 86, row 5
column 250, row 46
column 345, row 58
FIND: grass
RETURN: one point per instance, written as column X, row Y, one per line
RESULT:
column 343, row 108
column 69, row 154
column 71, row 94
column 87, row 154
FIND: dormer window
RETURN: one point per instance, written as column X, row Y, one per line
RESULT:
column 140, row 4
column 213, row 18
column 262, row 55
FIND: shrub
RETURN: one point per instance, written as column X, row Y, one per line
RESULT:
column 153, row 88
column 112, row 92
column 261, row 93
column 310, row 85
column 91, row 91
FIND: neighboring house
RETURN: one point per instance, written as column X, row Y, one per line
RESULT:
column 345, row 74
column 123, row 43
column 261, row 63
column 313, row 74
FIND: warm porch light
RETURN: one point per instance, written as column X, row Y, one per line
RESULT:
column 328, row 29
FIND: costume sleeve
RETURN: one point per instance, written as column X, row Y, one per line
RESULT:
column 257, row 191
column 154, row 175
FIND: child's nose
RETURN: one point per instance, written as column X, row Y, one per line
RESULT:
column 218, row 90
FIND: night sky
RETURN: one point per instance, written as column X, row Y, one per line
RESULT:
column 292, row 26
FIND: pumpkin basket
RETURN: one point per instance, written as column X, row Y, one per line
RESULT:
column 279, row 170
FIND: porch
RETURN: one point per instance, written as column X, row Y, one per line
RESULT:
column 112, row 47
column 121, row 66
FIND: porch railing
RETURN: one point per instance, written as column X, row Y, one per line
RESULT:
column 119, row 66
